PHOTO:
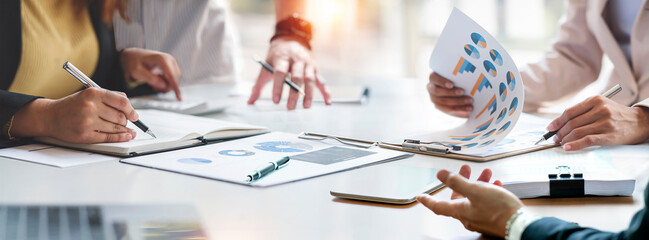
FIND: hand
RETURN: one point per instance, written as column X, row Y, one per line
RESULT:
column 286, row 55
column 600, row 121
column 93, row 115
column 486, row 208
column 448, row 98
column 157, row 69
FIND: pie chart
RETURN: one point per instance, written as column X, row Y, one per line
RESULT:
column 490, row 68
column 472, row 51
column 478, row 40
column 495, row 56
column 237, row 153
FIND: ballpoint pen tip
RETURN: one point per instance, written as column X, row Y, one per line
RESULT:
column 539, row 141
column 151, row 133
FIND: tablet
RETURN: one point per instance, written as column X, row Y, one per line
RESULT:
column 387, row 184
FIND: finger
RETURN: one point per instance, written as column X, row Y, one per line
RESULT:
column 171, row 80
column 465, row 171
column 108, row 127
column 281, row 69
column 453, row 101
column 101, row 137
column 573, row 112
column 485, row 176
column 587, row 134
column 309, row 81
column 112, row 115
column 457, row 183
column 444, row 208
column 577, row 122
column 320, row 82
column 498, row 183
column 437, row 91
column 262, row 79
column 121, row 103
column 297, row 76
column 142, row 74
column 440, row 81
column 584, row 142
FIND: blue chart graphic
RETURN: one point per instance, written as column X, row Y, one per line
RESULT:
column 472, row 51
column 470, row 145
column 501, row 116
column 282, row 146
column 478, row 40
column 495, row 56
column 511, row 81
column 464, row 138
column 513, row 106
column 483, row 126
column 237, row 153
column 507, row 141
column 502, row 91
column 488, row 134
column 463, row 66
column 487, row 142
column 194, row 161
column 490, row 68
column 504, row 127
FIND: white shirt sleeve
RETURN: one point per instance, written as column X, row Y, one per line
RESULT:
column 518, row 226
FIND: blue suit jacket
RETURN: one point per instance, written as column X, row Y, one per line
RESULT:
column 553, row 228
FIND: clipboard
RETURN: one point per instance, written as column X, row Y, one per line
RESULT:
column 434, row 149
column 468, row 157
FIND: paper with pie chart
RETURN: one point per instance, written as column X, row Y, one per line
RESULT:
column 473, row 60
column 232, row 161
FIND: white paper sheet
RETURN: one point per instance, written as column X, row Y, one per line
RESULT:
column 53, row 156
column 473, row 60
column 232, row 161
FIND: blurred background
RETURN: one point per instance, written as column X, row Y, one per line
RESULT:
column 394, row 38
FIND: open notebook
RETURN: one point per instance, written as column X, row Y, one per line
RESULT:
column 173, row 130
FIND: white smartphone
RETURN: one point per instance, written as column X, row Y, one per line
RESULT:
column 387, row 184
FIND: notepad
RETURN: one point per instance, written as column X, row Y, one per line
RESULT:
column 173, row 131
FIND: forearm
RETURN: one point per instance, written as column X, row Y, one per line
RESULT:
column 29, row 120
column 286, row 8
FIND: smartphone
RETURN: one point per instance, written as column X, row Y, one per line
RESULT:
column 387, row 184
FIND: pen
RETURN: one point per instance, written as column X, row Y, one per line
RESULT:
column 88, row 83
column 287, row 79
column 269, row 168
column 608, row 94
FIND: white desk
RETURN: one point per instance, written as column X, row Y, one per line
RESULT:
column 304, row 209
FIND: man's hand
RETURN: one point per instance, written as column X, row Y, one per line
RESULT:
column 486, row 208
column 448, row 98
column 287, row 55
column 157, row 69
column 93, row 115
column 600, row 121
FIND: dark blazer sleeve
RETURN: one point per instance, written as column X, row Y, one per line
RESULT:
column 553, row 228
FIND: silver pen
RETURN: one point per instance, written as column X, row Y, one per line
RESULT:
column 88, row 83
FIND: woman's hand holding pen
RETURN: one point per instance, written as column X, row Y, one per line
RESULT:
column 157, row 69
column 448, row 98
column 92, row 115
column 600, row 121
column 286, row 55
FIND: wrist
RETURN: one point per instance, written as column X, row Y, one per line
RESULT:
column 643, row 121
column 294, row 28
column 31, row 119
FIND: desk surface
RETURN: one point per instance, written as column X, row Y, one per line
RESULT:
column 302, row 209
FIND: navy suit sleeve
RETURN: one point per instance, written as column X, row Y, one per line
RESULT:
column 10, row 103
column 553, row 228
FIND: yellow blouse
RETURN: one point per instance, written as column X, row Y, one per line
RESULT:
column 53, row 32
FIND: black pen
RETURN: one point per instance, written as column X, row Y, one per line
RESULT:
column 269, row 168
column 88, row 83
column 608, row 94
column 287, row 79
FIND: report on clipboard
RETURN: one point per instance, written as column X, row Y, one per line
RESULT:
column 473, row 60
